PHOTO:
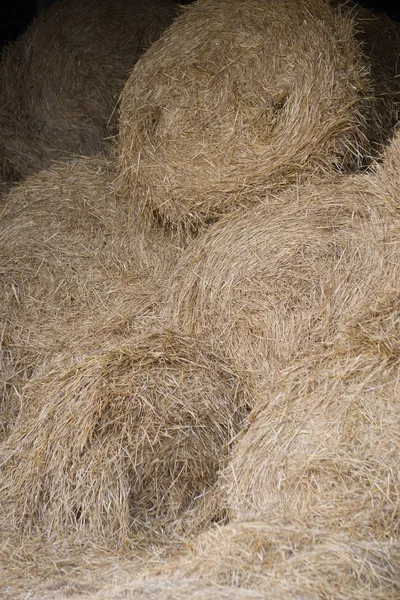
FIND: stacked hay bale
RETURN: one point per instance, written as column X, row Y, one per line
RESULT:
column 68, row 259
column 315, row 468
column 236, row 98
column 131, row 436
column 61, row 79
column 313, row 482
column 289, row 304
column 271, row 283
column 46, row 288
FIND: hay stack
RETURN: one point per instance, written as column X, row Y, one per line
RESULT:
column 237, row 97
column 130, row 436
column 60, row 80
column 71, row 255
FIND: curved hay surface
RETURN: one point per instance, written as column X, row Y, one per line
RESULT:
column 268, row 562
column 71, row 256
column 237, row 97
column 289, row 563
column 269, row 284
column 322, row 446
column 130, row 435
column 61, row 79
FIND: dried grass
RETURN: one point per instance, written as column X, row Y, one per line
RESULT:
column 71, row 256
column 241, row 560
column 130, row 436
column 270, row 283
column 44, row 569
column 321, row 448
column 237, row 97
column 60, row 80
column 288, row 563
column 136, row 376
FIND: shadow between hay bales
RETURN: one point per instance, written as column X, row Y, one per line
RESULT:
column 61, row 79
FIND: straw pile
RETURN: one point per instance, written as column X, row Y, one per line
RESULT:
column 136, row 364
column 60, row 80
column 315, row 468
column 71, row 255
column 130, row 436
column 237, row 97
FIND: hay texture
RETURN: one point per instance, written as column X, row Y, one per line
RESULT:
column 286, row 563
column 237, row 97
column 253, row 560
column 273, row 282
column 71, row 255
column 61, row 79
column 133, row 435
column 321, row 448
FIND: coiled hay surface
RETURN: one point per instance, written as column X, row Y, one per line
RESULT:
column 254, row 560
column 237, row 97
column 131, row 436
column 61, row 79
column 71, row 256
column 321, row 448
column 269, row 284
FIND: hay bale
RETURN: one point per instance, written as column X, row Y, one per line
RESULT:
column 61, row 79
column 71, row 256
column 239, row 97
column 268, row 284
column 321, row 449
column 131, row 436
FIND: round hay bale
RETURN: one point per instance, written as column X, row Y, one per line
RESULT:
column 132, row 435
column 71, row 256
column 61, row 79
column 270, row 283
column 321, row 447
column 237, row 97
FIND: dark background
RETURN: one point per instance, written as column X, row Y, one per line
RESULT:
column 15, row 15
